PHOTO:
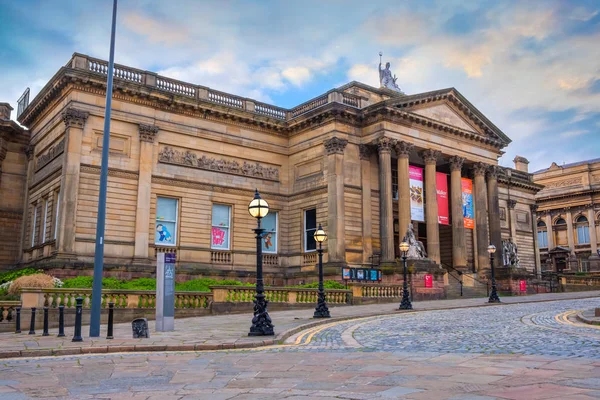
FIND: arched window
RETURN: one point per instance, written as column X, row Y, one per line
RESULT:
column 542, row 233
column 560, row 232
column 583, row 230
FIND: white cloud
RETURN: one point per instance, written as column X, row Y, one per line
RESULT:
column 574, row 133
column 296, row 75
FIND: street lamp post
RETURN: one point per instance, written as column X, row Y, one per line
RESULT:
column 494, row 295
column 321, row 311
column 261, row 322
column 405, row 304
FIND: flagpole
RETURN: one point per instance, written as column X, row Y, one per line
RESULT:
column 101, row 222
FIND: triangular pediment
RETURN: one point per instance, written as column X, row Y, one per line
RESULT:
column 444, row 113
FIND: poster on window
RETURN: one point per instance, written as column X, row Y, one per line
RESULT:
column 441, row 183
column 415, row 175
column 166, row 220
column 269, row 242
column 220, row 227
column 467, row 202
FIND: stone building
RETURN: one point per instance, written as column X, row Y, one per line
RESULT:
column 185, row 159
column 568, row 222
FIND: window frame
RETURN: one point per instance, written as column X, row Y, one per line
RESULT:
column 56, row 214
column 276, row 213
column 306, row 250
column 34, row 225
column 45, row 221
column 542, row 233
column 212, row 208
column 176, row 230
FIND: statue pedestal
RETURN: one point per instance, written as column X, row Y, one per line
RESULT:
column 423, row 265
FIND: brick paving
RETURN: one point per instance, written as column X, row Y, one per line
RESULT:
column 222, row 331
column 532, row 350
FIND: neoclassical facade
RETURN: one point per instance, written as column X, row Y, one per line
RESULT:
column 568, row 222
column 364, row 162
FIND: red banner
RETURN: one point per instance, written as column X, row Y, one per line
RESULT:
column 441, row 183
column 428, row 280
column 523, row 285
column 467, row 203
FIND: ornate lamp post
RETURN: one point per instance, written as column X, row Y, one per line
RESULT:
column 321, row 311
column 494, row 295
column 261, row 323
column 405, row 304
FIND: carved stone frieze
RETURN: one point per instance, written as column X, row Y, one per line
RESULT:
column 335, row 145
column 365, row 151
column 385, row 144
column 50, row 155
column 480, row 168
column 511, row 204
column 403, row 148
column 456, row 163
column 430, row 156
column 563, row 183
column 168, row 155
column 73, row 117
column 148, row 132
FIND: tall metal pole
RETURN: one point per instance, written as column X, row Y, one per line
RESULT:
column 494, row 296
column 321, row 311
column 261, row 322
column 405, row 304
column 100, row 224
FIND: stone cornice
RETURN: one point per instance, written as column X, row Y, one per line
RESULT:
column 335, row 145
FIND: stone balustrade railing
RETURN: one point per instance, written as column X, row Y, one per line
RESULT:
column 197, row 92
column 243, row 294
column 7, row 311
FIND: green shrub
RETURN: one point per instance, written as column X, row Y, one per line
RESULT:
column 80, row 282
column 203, row 284
column 326, row 284
column 139, row 284
column 9, row 297
column 12, row 275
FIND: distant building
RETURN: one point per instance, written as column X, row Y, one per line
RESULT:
column 185, row 159
column 568, row 222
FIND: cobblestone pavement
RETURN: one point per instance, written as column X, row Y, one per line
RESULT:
column 520, row 351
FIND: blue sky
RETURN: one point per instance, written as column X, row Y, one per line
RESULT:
column 531, row 67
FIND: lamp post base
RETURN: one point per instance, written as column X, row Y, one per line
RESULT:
column 322, row 311
column 261, row 323
column 405, row 304
column 494, row 297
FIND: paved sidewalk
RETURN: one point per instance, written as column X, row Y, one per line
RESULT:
column 226, row 331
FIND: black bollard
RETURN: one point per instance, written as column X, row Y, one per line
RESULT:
column 18, row 321
column 45, row 333
column 32, row 323
column 61, row 321
column 111, row 309
column 78, row 310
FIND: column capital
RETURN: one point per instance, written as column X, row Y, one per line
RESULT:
column 511, row 204
column 456, row 163
column 533, row 208
column 430, row 156
column 480, row 168
column 403, row 148
column 493, row 171
column 148, row 132
column 364, row 151
column 29, row 152
column 385, row 144
column 335, row 145
column 73, row 117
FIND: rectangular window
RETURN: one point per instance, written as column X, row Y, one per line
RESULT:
column 34, row 225
column 583, row 235
column 310, row 226
column 221, row 224
column 269, row 224
column 543, row 239
column 166, row 221
column 56, row 214
column 44, row 221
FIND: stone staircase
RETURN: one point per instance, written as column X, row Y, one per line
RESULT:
column 475, row 290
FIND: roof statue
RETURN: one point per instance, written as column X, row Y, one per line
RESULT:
column 386, row 79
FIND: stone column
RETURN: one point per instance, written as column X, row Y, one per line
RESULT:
column 74, row 120
column 593, row 239
column 481, row 217
column 147, row 134
column 367, row 225
column 512, row 218
column 570, row 239
column 548, row 220
column 403, row 150
column 536, row 245
column 386, row 213
column 459, row 244
column 431, row 207
column 3, row 151
column 494, row 207
column 336, row 246
column 29, row 153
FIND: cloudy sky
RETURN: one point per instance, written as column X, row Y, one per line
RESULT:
column 532, row 67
